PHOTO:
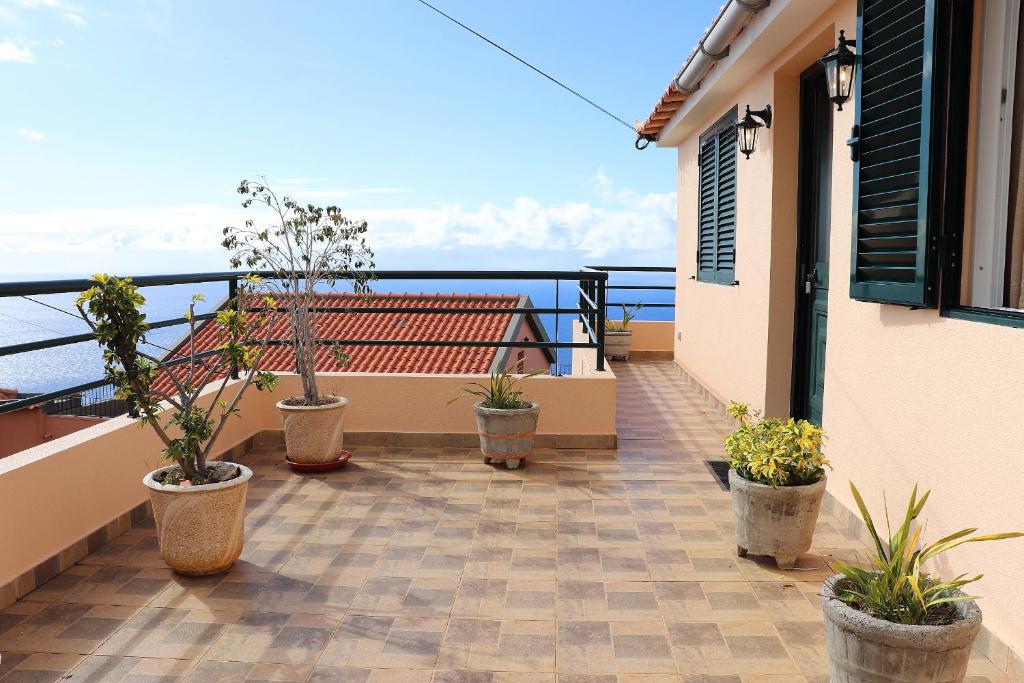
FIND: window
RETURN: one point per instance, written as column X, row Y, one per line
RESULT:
column 994, row 229
column 716, row 219
column 939, row 158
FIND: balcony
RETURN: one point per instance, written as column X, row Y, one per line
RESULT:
column 417, row 562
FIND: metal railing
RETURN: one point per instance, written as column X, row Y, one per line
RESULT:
column 597, row 297
column 591, row 310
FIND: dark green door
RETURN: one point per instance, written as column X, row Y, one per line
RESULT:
column 813, row 222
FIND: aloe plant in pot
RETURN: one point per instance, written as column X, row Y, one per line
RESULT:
column 893, row 621
column 306, row 247
column 777, row 481
column 505, row 421
column 198, row 503
column 618, row 338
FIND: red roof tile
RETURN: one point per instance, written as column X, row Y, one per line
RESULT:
column 411, row 325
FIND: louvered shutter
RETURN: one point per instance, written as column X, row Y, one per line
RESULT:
column 716, row 220
column 891, row 260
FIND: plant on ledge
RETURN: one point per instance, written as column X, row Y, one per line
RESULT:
column 618, row 338
column 505, row 421
column 112, row 309
column 776, row 482
column 894, row 621
column 774, row 451
column 304, row 248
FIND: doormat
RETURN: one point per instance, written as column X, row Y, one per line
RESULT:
column 720, row 468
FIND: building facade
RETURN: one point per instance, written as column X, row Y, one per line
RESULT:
column 862, row 268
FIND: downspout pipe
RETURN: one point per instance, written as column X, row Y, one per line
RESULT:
column 734, row 15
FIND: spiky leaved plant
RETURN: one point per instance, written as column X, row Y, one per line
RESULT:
column 112, row 308
column 894, row 587
column 305, row 247
column 502, row 392
column 629, row 314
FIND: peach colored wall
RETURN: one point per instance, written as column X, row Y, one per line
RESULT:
column 414, row 403
column 652, row 335
column 910, row 396
column 23, row 429
column 57, row 493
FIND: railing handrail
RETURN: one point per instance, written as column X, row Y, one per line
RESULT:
column 592, row 311
column 29, row 288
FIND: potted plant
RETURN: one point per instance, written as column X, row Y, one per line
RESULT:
column 617, row 335
column 306, row 247
column 506, row 423
column 895, row 622
column 198, row 503
column 777, row 480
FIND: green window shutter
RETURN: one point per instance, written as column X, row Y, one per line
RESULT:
column 716, row 218
column 892, row 260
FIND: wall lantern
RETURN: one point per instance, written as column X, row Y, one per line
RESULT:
column 840, row 67
column 747, row 128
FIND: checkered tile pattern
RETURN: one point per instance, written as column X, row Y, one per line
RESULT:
column 428, row 565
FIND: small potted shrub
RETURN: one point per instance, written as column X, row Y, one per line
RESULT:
column 506, row 423
column 617, row 336
column 198, row 503
column 895, row 622
column 777, row 480
column 306, row 247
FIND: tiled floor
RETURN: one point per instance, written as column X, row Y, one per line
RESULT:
column 421, row 564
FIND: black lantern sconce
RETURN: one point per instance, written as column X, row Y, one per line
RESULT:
column 747, row 128
column 840, row 68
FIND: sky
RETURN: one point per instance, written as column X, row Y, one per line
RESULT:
column 126, row 127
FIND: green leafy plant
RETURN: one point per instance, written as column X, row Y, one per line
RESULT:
column 774, row 451
column 895, row 588
column 305, row 247
column 502, row 392
column 628, row 315
column 112, row 308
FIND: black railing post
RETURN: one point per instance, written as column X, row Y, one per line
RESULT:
column 233, row 305
column 600, row 322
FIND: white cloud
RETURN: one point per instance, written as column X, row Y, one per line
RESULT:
column 622, row 221
column 75, row 19
column 9, row 52
column 34, row 135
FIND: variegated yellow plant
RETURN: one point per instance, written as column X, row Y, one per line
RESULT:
column 774, row 451
column 895, row 588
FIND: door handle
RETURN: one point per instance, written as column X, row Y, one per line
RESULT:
column 809, row 279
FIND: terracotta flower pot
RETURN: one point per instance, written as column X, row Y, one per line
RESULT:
column 864, row 649
column 774, row 521
column 313, row 434
column 201, row 529
column 617, row 344
column 506, row 435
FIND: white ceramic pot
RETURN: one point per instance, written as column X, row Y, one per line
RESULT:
column 200, row 529
column 863, row 649
column 313, row 434
column 506, row 435
column 616, row 344
column 774, row 521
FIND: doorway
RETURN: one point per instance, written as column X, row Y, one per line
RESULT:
column 814, row 192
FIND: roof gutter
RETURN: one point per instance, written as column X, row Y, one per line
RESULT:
column 734, row 15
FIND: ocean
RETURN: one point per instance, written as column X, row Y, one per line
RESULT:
column 23, row 320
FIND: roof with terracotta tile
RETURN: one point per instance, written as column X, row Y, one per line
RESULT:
column 412, row 326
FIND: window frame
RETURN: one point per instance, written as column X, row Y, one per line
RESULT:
column 957, row 46
column 725, row 125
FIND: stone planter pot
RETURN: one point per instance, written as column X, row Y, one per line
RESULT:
column 616, row 345
column 506, row 435
column 200, row 529
column 313, row 434
column 774, row 521
column 864, row 649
